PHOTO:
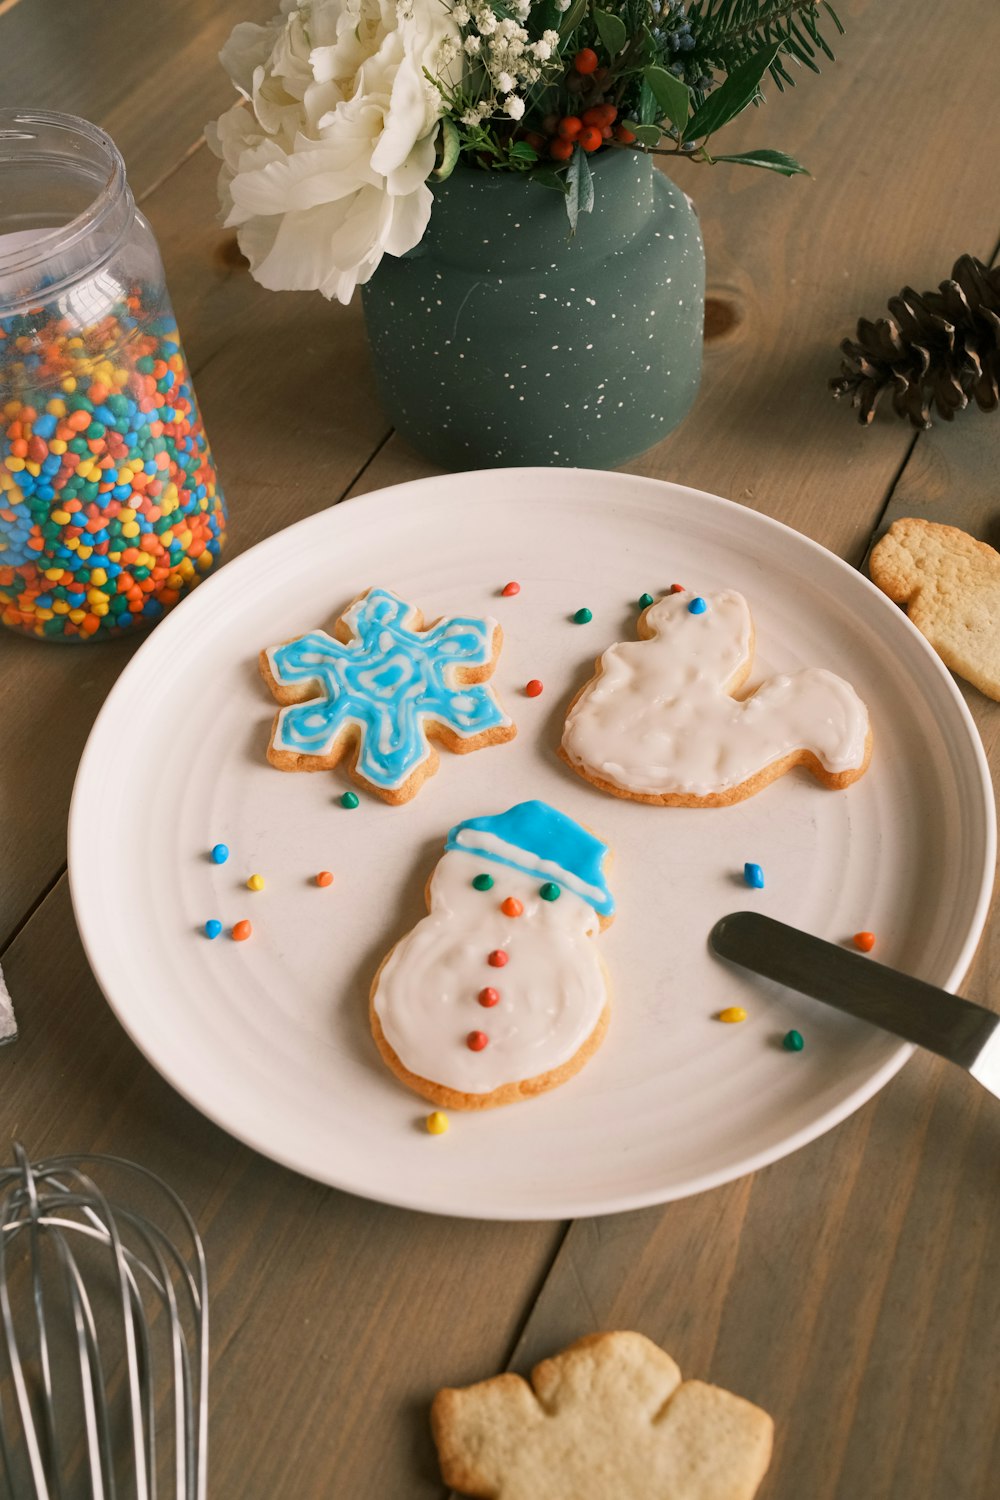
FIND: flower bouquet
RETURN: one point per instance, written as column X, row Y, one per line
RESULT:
column 360, row 117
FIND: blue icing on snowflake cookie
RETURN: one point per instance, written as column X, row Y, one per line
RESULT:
column 388, row 683
column 539, row 840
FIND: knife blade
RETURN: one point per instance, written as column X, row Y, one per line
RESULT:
column 964, row 1033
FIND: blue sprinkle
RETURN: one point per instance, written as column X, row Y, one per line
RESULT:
column 754, row 875
column 697, row 605
column 220, row 854
column 44, row 426
column 213, row 927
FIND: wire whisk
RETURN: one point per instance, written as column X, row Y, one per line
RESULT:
column 104, row 1350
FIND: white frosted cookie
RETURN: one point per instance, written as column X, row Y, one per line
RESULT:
column 499, row 993
column 659, row 721
column 608, row 1419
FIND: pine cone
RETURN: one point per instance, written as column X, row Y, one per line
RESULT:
column 941, row 348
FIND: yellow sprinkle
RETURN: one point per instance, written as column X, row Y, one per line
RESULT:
column 76, row 615
column 99, row 609
column 205, row 561
column 98, row 575
column 83, row 552
column 57, row 409
column 60, row 607
column 130, row 529
column 437, row 1122
column 68, row 384
column 57, row 445
column 255, row 883
column 126, row 513
column 61, row 517
column 733, row 1013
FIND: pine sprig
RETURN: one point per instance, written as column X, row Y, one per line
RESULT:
column 727, row 31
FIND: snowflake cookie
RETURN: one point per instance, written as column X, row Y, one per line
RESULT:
column 499, row 992
column 382, row 688
column 659, row 722
column 608, row 1419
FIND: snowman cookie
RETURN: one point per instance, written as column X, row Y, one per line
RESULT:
column 659, row 722
column 499, row 993
column 381, row 689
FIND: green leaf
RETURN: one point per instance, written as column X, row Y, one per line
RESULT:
column 672, row 96
column 521, row 151
column 572, row 18
column 550, row 177
column 774, row 161
column 646, row 135
column 611, row 30
column 448, row 147
column 580, row 183
column 741, row 88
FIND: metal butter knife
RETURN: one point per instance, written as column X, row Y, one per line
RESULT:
column 957, row 1029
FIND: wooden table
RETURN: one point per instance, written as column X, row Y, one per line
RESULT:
column 852, row 1289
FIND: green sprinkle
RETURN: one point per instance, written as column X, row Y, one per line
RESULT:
column 350, row 799
column 483, row 882
column 792, row 1041
column 550, row 891
column 583, row 616
column 645, row 600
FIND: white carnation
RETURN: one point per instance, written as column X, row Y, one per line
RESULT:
column 326, row 171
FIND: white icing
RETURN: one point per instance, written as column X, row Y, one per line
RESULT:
column 658, row 718
column 552, row 990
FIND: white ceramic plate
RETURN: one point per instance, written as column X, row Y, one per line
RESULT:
column 270, row 1037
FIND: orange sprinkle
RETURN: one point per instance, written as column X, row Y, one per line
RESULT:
column 511, row 907
column 241, row 931
column 324, row 878
column 864, row 940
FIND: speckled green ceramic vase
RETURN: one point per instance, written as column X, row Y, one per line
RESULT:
column 501, row 339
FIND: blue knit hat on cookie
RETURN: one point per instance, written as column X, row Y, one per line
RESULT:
column 535, row 838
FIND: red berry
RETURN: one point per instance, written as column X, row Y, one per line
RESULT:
column 477, row 1040
column 560, row 150
column 535, row 141
column 591, row 138
column 549, row 123
column 489, row 997
column 623, row 134
column 606, row 132
column 586, row 60
column 600, row 115
column 569, row 127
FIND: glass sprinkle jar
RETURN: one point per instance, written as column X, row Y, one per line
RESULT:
column 110, row 509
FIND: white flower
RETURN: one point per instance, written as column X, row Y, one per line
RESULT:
column 326, row 170
column 461, row 15
column 486, row 21
column 505, row 83
column 563, row 4
column 514, row 105
column 542, row 51
column 551, row 38
column 472, row 45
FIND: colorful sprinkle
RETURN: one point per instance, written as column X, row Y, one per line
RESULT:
column 511, row 907
column 677, row 588
column 645, row 600
column 476, row 1041
column 865, row 941
column 110, row 509
column 533, row 688
column 583, row 616
column 220, row 854
column 482, row 882
column 241, row 931
column 255, row 883
column 489, row 997
column 350, row 799
column 697, row 605
column 732, row 1014
column 437, row 1122
column 550, row 891
column 792, row 1041
column 498, row 958
column 212, row 928
column 324, row 878
column 754, row 876
column 510, row 589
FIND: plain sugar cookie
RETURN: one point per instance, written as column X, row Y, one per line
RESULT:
column 659, row 721
column 608, row 1419
column 950, row 586
column 499, row 993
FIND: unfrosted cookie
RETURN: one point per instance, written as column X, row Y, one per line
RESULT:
column 950, row 585
column 383, row 689
column 499, row 992
column 659, row 721
column 608, row 1419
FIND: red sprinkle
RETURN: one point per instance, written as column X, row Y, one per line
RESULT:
column 489, row 997
column 241, row 931
column 865, row 941
column 533, row 688
column 677, row 588
column 510, row 589
column 511, row 907
column 324, row 878
column 476, row 1041
column 497, row 958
